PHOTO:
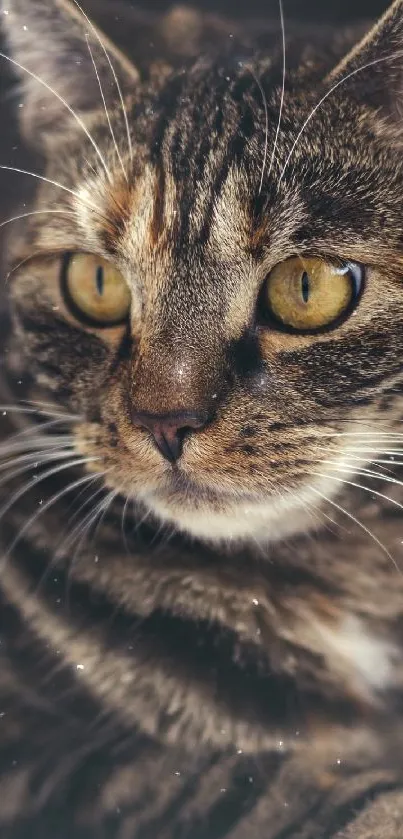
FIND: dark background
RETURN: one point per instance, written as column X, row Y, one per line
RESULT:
column 319, row 10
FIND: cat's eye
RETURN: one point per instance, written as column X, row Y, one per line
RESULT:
column 95, row 291
column 305, row 294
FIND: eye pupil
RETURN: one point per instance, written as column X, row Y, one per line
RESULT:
column 100, row 280
column 308, row 293
column 305, row 287
column 94, row 290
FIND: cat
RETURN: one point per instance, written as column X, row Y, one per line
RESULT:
column 201, row 509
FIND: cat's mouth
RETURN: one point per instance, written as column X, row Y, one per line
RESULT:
column 209, row 499
column 212, row 513
column 196, row 491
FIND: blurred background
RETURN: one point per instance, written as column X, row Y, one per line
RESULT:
column 319, row 10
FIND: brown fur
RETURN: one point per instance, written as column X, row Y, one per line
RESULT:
column 248, row 598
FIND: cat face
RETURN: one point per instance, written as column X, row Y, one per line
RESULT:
column 212, row 277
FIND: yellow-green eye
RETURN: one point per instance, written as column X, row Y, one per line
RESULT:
column 95, row 290
column 308, row 293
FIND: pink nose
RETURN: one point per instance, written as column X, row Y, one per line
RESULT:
column 169, row 430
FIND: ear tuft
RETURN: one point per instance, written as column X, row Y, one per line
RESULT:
column 53, row 47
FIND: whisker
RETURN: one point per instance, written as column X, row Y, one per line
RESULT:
column 309, row 508
column 365, row 473
column 44, row 426
column 58, row 553
column 360, row 486
column 36, row 213
column 48, row 474
column 115, row 78
column 362, row 464
column 360, row 524
column 79, row 528
column 41, row 410
column 105, row 107
column 326, row 96
column 69, row 540
column 107, row 504
column 140, row 521
column 389, row 462
column 85, row 503
column 53, row 500
column 50, row 407
column 21, row 263
column 88, row 522
column 53, row 183
column 26, row 445
column 266, row 112
column 379, row 451
column 65, row 104
column 359, row 460
column 368, row 434
column 367, row 449
column 282, row 90
column 122, row 524
column 32, row 461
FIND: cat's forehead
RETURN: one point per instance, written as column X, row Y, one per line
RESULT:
column 219, row 170
column 227, row 166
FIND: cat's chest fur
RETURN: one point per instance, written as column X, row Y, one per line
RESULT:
column 199, row 637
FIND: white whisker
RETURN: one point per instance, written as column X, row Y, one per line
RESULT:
column 282, row 90
column 106, row 107
column 115, row 78
column 22, row 438
column 122, row 524
column 65, row 104
column 266, row 112
column 53, row 183
column 69, row 540
column 76, row 514
column 41, row 410
column 377, row 450
column 33, row 443
column 107, row 504
column 364, row 473
column 375, row 434
column 37, row 213
column 360, row 486
column 89, row 520
column 33, row 461
column 48, row 474
column 22, row 262
column 360, row 524
column 138, row 522
column 326, row 96
column 51, row 408
column 44, row 507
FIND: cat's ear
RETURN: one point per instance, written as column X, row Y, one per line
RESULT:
column 373, row 70
column 55, row 47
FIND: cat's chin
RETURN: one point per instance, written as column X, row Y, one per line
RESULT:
column 237, row 520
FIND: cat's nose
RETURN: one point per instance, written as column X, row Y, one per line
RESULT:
column 170, row 430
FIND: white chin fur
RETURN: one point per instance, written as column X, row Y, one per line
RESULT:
column 267, row 521
column 264, row 522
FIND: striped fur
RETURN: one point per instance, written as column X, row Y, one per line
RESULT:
column 213, row 649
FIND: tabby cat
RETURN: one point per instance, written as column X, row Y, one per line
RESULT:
column 201, row 404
